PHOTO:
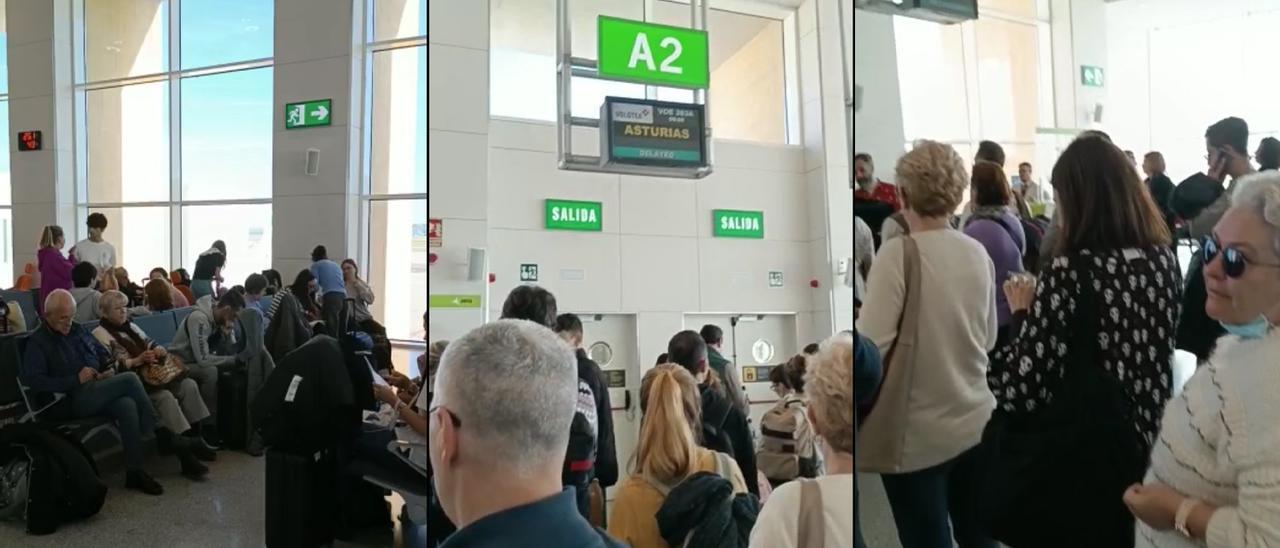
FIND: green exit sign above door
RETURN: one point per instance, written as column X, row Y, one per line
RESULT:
column 308, row 114
column 574, row 215
column 1091, row 76
column 647, row 53
column 730, row 223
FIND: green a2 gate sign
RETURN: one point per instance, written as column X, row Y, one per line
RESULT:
column 647, row 53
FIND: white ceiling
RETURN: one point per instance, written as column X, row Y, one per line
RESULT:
column 530, row 26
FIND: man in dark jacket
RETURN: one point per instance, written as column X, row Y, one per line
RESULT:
column 731, row 388
column 569, row 327
column 535, row 304
column 689, row 350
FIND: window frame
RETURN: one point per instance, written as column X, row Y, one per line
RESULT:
column 173, row 77
column 365, row 167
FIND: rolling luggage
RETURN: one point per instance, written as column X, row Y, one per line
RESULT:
column 302, row 499
column 233, row 408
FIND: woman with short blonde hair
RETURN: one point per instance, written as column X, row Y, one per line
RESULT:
column 923, row 441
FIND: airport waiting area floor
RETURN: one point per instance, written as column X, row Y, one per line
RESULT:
column 227, row 510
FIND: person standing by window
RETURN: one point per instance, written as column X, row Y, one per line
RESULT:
column 208, row 270
column 95, row 250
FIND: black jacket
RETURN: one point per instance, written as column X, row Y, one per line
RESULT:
column 705, row 505
column 735, row 424
column 307, row 403
column 591, row 447
column 1161, row 189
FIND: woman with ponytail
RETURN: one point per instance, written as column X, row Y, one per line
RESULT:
column 666, row 455
column 55, row 268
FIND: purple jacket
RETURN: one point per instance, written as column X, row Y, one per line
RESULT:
column 55, row 273
column 1004, row 246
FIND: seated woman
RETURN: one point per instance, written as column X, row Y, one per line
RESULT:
column 158, row 296
column 668, row 453
column 362, row 295
column 181, row 281
column 178, row 299
column 372, row 445
column 131, row 290
column 304, row 289
column 176, row 397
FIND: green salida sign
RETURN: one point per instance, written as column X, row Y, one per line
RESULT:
column 574, row 215
column 731, row 223
column 647, row 53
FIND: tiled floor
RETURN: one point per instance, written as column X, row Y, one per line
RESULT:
column 225, row 511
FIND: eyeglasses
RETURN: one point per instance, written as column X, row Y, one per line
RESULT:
column 457, row 423
column 1233, row 261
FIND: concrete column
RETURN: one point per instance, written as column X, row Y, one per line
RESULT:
column 827, row 154
column 319, row 53
column 39, row 43
column 458, row 157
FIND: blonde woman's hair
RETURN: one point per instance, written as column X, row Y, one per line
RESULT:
column 669, row 400
column 50, row 235
column 829, row 385
column 111, row 298
column 933, row 179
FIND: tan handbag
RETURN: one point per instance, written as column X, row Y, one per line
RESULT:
column 161, row 374
column 882, row 433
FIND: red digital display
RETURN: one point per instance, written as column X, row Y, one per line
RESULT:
column 29, row 140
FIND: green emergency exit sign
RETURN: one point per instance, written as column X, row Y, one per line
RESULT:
column 574, row 215
column 308, row 114
column 453, row 301
column 647, row 53
column 731, row 223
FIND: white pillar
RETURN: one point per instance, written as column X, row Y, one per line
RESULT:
column 39, row 43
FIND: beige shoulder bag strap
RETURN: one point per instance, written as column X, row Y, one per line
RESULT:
column 811, row 530
column 882, row 436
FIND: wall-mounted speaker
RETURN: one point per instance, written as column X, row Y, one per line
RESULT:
column 476, row 264
column 313, row 162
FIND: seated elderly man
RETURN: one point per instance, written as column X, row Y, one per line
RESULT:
column 61, row 357
column 175, row 396
column 498, row 430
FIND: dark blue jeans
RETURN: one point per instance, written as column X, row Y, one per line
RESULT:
column 122, row 399
column 928, row 504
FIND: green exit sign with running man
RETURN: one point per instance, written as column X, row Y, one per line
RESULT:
column 730, row 223
column 308, row 114
column 647, row 53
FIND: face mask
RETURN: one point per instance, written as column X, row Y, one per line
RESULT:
column 1255, row 329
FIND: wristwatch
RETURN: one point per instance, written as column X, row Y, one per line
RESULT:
column 1180, row 518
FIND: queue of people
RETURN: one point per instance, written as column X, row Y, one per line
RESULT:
column 513, row 406
column 1041, row 411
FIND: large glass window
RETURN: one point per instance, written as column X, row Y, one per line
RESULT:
column 747, row 61
column 988, row 79
column 174, row 158
column 394, row 199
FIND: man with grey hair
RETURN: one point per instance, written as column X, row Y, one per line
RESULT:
column 505, row 396
column 62, row 358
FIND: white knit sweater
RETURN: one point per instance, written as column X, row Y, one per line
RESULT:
column 1220, row 443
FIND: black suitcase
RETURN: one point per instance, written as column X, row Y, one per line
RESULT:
column 302, row 499
column 233, row 409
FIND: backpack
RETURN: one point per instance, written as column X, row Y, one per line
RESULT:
column 714, row 435
column 63, row 482
column 691, row 516
column 787, row 450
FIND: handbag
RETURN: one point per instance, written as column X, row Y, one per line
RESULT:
column 1056, row 477
column 161, row 374
column 882, row 423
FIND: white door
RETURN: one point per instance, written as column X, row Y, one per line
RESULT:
column 610, row 340
column 760, row 341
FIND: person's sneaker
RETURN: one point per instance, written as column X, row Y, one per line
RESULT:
column 192, row 468
column 256, row 446
column 140, row 481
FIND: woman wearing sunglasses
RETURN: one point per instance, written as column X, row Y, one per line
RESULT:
column 1215, row 475
column 1093, row 338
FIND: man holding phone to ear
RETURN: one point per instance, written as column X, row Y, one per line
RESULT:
column 1201, row 201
